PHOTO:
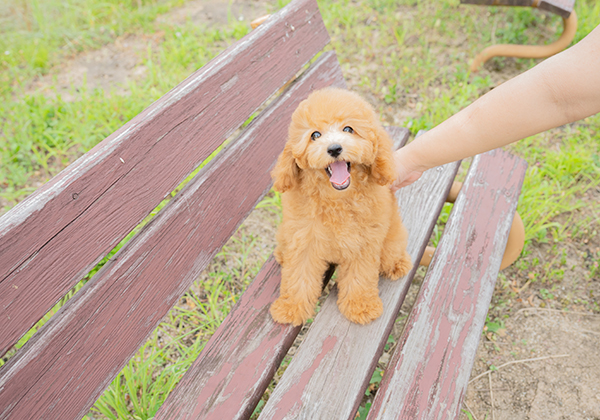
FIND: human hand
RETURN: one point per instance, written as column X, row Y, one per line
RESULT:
column 406, row 169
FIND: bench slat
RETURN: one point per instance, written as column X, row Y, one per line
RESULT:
column 52, row 239
column 77, row 354
column 560, row 7
column 237, row 364
column 429, row 372
column 332, row 368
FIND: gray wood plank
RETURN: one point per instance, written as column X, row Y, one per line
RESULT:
column 78, row 352
column 237, row 364
column 399, row 136
column 329, row 373
column 53, row 238
column 429, row 372
column 560, row 7
column 523, row 3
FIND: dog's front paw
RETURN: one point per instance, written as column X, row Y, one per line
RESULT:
column 287, row 311
column 361, row 310
column 398, row 268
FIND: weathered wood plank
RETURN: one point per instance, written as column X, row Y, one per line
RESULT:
column 428, row 374
column 237, row 364
column 399, row 136
column 560, row 7
column 52, row 239
column 76, row 355
column 329, row 373
column 523, row 3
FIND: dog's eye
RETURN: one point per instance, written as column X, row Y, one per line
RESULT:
column 348, row 129
column 315, row 135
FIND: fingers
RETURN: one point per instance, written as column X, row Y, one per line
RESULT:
column 407, row 170
column 404, row 180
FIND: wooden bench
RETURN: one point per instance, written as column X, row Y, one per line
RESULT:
column 563, row 8
column 54, row 237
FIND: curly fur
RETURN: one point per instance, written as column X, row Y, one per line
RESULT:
column 358, row 229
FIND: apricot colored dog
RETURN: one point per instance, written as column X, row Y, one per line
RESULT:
column 334, row 173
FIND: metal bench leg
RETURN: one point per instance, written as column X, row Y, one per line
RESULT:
column 514, row 245
column 530, row 51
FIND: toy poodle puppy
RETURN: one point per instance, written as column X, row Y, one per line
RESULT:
column 334, row 173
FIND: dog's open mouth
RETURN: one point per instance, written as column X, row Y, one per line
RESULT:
column 339, row 174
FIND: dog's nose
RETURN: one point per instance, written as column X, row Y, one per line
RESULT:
column 334, row 150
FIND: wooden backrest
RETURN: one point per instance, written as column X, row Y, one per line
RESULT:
column 52, row 239
column 560, row 7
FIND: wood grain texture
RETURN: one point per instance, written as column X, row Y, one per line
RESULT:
column 237, row 364
column 78, row 353
column 428, row 374
column 331, row 369
column 560, row 7
column 53, row 238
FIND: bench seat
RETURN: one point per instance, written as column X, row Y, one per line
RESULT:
column 54, row 237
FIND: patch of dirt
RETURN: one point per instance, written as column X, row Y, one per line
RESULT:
column 218, row 11
column 563, row 387
column 111, row 67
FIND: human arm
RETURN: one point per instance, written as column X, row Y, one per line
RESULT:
column 562, row 89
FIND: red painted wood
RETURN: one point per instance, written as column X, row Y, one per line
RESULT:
column 429, row 372
column 52, row 239
column 76, row 355
column 237, row 364
column 331, row 369
column 560, row 7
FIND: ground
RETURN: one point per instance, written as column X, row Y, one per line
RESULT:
column 531, row 316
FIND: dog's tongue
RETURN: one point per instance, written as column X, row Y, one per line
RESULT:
column 339, row 172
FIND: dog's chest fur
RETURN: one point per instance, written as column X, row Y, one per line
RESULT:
column 342, row 225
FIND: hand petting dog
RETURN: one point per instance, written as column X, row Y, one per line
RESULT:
column 334, row 173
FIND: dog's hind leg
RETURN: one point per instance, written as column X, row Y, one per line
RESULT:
column 395, row 261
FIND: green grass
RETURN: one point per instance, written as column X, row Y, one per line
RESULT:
column 41, row 135
column 37, row 34
column 410, row 58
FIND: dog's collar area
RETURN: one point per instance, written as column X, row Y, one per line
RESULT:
column 339, row 174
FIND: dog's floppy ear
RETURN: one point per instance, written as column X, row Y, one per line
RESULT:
column 383, row 169
column 286, row 171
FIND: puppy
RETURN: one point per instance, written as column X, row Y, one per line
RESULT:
column 334, row 173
